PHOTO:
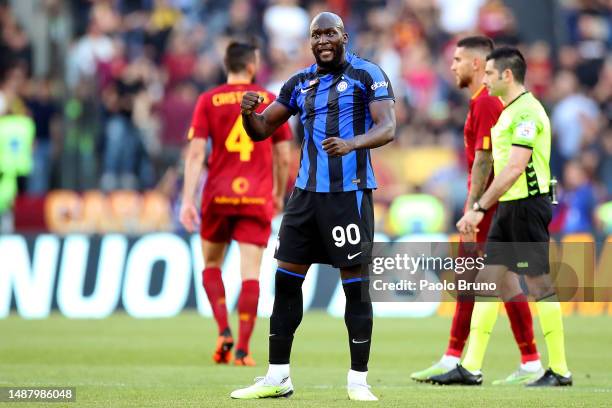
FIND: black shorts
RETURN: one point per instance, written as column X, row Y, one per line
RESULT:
column 519, row 237
column 327, row 228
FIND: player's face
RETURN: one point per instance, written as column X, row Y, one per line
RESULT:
column 493, row 80
column 462, row 67
column 327, row 43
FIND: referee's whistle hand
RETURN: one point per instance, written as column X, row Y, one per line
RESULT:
column 336, row 146
column 189, row 217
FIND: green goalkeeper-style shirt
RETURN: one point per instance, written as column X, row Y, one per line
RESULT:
column 16, row 138
column 523, row 122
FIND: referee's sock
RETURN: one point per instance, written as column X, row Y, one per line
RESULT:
column 286, row 317
column 549, row 313
column 358, row 320
column 484, row 317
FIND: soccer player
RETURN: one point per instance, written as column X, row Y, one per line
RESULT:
column 468, row 66
column 521, row 141
column 347, row 107
column 242, row 192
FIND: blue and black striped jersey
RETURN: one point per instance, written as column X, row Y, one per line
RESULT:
column 335, row 105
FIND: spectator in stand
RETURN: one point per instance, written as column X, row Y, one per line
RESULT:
column 540, row 71
column 46, row 113
column 175, row 112
column 124, row 154
column 496, row 20
column 179, row 60
column 604, row 171
column 286, row 25
column 93, row 48
column 573, row 112
column 578, row 199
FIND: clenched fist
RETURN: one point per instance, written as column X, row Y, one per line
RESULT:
column 250, row 101
column 336, row 146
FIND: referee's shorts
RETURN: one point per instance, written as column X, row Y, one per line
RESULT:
column 519, row 236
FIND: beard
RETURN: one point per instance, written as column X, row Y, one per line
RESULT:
column 334, row 62
column 463, row 82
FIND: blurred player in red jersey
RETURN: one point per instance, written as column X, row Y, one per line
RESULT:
column 245, row 185
column 468, row 66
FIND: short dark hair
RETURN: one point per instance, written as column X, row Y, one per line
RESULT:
column 238, row 55
column 479, row 42
column 512, row 59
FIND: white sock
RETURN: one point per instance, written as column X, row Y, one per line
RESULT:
column 357, row 377
column 531, row 366
column 449, row 361
column 277, row 372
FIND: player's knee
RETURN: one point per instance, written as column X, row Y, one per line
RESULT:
column 288, row 310
column 287, row 282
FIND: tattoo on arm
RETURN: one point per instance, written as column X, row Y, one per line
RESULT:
column 481, row 171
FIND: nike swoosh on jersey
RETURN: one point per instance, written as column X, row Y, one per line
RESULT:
column 351, row 256
column 306, row 90
column 360, row 341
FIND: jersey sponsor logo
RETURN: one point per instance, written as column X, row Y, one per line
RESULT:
column 240, row 185
column 342, row 86
column 526, row 130
column 380, row 84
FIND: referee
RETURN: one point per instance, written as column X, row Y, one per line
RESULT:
column 521, row 141
column 346, row 106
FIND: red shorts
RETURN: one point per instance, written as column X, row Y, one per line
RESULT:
column 224, row 228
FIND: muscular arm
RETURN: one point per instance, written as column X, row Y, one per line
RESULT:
column 383, row 131
column 261, row 126
column 481, row 171
column 194, row 162
column 280, row 159
column 519, row 157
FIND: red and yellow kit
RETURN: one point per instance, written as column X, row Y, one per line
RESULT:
column 240, row 176
column 482, row 116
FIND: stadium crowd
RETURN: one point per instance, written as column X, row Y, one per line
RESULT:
column 111, row 85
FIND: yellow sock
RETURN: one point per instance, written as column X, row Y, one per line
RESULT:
column 484, row 317
column 549, row 313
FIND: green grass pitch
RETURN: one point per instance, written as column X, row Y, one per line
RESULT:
column 122, row 361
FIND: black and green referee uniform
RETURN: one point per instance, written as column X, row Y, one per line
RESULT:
column 525, row 209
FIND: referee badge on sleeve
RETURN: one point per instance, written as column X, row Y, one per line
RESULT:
column 526, row 130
